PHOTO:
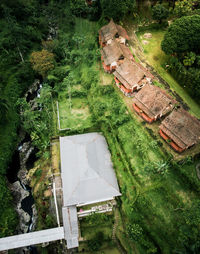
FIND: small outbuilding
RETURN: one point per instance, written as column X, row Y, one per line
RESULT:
column 112, row 31
column 180, row 130
column 131, row 76
column 152, row 102
column 87, row 176
column 113, row 55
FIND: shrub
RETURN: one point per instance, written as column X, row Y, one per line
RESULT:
column 134, row 231
column 159, row 12
column 95, row 243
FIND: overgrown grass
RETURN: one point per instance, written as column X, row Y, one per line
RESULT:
column 74, row 113
column 157, row 58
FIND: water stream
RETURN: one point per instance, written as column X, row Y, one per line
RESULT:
column 23, row 160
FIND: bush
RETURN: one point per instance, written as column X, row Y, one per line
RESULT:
column 98, row 218
column 106, row 90
column 95, row 243
column 78, row 93
column 134, row 231
column 159, row 12
column 38, row 173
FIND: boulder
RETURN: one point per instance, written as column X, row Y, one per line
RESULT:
column 147, row 35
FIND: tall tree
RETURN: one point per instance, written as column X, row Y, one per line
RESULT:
column 182, row 36
column 159, row 12
column 183, row 7
column 116, row 9
column 42, row 61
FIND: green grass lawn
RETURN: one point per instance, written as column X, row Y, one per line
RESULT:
column 75, row 117
column 91, row 226
column 157, row 58
column 106, row 79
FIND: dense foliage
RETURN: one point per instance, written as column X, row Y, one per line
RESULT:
column 116, row 9
column 182, row 36
column 182, row 42
column 42, row 61
column 160, row 197
column 22, row 28
column 159, row 12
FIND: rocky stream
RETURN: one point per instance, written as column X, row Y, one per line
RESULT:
column 23, row 160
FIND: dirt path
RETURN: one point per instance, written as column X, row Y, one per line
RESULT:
column 114, row 237
column 198, row 170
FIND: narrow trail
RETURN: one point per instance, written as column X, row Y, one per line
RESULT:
column 114, row 237
column 198, row 170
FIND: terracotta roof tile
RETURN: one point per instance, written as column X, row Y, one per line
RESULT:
column 109, row 31
column 182, row 128
column 154, row 101
column 112, row 52
column 130, row 74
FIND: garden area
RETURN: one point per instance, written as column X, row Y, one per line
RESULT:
column 96, row 230
column 74, row 113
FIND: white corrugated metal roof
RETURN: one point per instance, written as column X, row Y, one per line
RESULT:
column 22, row 240
column 70, row 221
column 86, row 169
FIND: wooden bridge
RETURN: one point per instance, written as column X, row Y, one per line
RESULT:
column 28, row 239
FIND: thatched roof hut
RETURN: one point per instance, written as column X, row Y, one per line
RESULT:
column 152, row 102
column 130, row 74
column 111, row 31
column 181, row 130
column 114, row 52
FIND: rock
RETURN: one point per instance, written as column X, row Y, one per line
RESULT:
column 22, row 175
column 145, row 42
column 34, row 218
column 147, row 35
column 18, row 192
column 24, row 220
column 33, row 88
column 25, row 152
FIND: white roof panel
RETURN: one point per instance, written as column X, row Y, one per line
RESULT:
column 86, row 169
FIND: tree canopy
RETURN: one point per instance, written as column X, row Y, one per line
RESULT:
column 42, row 61
column 183, row 7
column 116, row 9
column 182, row 36
column 159, row 12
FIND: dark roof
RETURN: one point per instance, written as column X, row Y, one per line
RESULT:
column 154, row 101
column 109, row 31
column 113, row 51
column 130, row 74
column 182, row 128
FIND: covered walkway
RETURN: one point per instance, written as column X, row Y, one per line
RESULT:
column 18, row 241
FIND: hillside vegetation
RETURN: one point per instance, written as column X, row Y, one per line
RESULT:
column 159, row 210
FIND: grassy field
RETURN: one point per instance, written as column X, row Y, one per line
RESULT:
column 74, row 113
column 157, row 58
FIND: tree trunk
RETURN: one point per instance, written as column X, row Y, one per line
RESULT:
column 20, row 53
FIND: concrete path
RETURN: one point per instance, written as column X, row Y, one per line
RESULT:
column 18, row 241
